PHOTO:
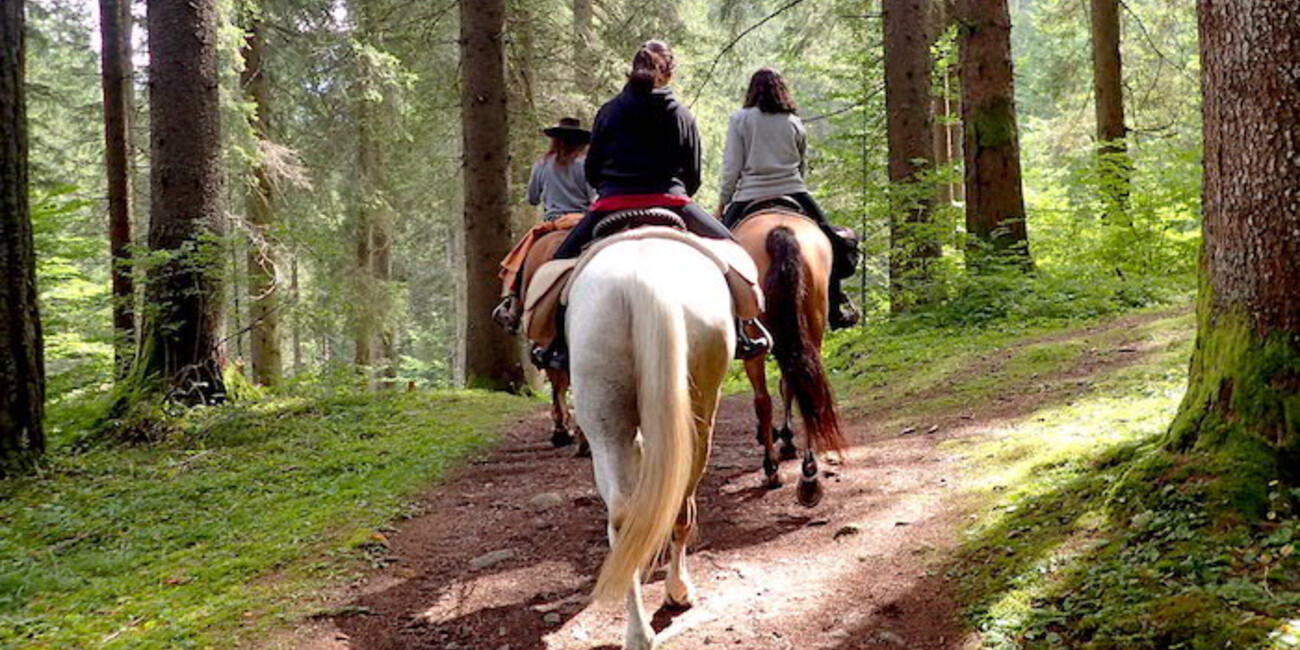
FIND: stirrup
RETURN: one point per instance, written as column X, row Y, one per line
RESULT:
column 843, row 314
column 506, row 314
column 751, row 348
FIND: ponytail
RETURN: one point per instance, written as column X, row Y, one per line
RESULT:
column 652, row 65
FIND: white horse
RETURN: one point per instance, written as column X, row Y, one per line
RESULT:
column 650, row 337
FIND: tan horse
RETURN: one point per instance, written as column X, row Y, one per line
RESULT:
column 794, row 259
column 541, row 252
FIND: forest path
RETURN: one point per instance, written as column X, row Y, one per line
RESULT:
column 505, row 556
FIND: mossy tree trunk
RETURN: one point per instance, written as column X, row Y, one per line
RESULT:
column 1244, row 387
column 180, row 337
column 995, row 202
column 263, row 289
column 492, row 359
column 22, row 365
column 115, row 56
column 913, row 243
column 1108, row 93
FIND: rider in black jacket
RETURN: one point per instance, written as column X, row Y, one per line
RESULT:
column 645, row 152
column 645, row 143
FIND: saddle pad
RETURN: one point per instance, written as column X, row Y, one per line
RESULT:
column 728, row 255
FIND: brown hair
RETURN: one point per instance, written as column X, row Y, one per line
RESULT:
column 565, row 151
column 767, row 91
column 653, row 65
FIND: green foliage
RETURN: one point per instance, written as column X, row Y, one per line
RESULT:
column 169, row 546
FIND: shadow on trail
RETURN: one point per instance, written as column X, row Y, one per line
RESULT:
column 431, row 596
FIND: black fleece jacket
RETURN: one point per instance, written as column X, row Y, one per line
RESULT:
column 644, row 142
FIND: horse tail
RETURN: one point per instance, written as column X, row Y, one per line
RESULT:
column 800, row 361
column 644, row 522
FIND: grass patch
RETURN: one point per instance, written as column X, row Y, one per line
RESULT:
column 1095, row 537
column 228, row 528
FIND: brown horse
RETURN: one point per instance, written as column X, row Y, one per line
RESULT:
column 794, row 258
column 541, row 252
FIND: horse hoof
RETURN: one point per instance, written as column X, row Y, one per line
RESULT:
column 773, row 481
column 810, row 492
column 560, row 437
column 584, row 450
column 789, row 452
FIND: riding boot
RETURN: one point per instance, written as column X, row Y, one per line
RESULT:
column 843, row 313
column 506, row 314
column 750, row 347
column 556, row 355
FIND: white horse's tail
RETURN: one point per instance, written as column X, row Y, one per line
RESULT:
column 644, row 522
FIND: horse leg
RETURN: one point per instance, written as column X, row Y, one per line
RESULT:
column 757, row 372
column 788, row 450
column 584, row 449
column 679, row 589
column 810, row 485
column 560, row 436
column 616, row 463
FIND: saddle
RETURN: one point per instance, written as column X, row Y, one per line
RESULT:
column 550, row 286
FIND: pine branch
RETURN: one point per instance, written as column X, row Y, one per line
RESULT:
column 729, row 46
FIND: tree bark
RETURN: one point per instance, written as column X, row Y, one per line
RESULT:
column 1107, row 77
column 1244, row 387
column 492, row 359
column 22, row 363
column 115, row 56
column 181, row 331
column 583, row 61
column 375, row 339
column 263, row 289
column 914, row 244
column 995, row 204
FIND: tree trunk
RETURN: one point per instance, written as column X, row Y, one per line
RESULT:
column 181, row 331
column 583, row 61
column 1107, row 81
column 22, row 363
column 115, row 54
column 945, row 149
column 375, row 339
column 914, row 244
column 263, row 289
column 492, row 359
column 297, row 316
column 1244, row 388
column 995, row 204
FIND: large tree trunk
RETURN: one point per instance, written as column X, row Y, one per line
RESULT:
column 263, row 290
column 1107, row 82
column 995, row 204
column 115, row 55
column 375, row 339
column 914, row 245
column 1244, row 388
column 181, row 331
column 22, row 365
column 492, row 360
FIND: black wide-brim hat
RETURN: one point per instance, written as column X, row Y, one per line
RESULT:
column 569, row 129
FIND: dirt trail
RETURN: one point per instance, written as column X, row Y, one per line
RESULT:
column 862, row 570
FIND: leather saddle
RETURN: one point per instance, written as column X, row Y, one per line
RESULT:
column 550, row 286
column 780, row 203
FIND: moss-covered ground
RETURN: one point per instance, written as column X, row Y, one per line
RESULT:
column 1088, row 532
column 229, row 527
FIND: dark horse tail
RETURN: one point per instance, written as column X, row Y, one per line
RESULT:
column 800, row 361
